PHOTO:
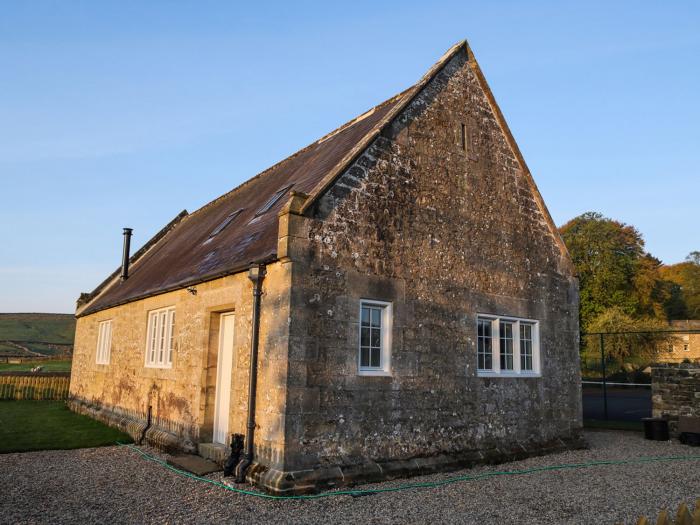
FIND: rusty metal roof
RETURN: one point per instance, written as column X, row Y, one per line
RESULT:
column 186, row 254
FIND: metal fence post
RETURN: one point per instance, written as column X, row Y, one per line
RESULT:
column 605, row 382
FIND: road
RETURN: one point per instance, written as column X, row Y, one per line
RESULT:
column 624, row 403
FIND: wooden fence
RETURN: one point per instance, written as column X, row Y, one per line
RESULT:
column 683, row 516
column 34, row 385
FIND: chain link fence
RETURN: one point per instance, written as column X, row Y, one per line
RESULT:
column 616, row 369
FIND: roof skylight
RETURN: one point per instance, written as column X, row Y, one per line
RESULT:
column 224, row 223
column 273, row 200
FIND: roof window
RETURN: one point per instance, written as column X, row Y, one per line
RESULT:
column 273, row 200
column 224, row 223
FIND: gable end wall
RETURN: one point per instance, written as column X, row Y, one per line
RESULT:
column 443, row 234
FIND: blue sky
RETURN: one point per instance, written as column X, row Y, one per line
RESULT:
column 123, row 113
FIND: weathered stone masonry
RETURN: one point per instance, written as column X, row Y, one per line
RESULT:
column 443, row 234
column 675, row 392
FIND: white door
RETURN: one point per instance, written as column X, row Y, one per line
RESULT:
column 224, row 370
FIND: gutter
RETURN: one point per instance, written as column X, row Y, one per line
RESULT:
column 179, row 286
column 256, row 274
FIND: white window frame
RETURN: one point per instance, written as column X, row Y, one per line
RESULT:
column 159, row 338
column 495, row 370
column 386, row 328
column 104, row 342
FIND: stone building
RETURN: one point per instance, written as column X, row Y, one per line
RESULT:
column 418, row 309
column 682, row 347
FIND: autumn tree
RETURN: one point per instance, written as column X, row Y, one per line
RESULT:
column 613, row 268
column 685, row 277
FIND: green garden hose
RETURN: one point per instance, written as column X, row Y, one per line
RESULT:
column 411, row 486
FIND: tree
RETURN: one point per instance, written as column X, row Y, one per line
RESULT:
column 613, row 268
column 642, row 345
column 685, row 277
column 693, row 257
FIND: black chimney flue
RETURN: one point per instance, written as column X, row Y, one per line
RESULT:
column 125, row 253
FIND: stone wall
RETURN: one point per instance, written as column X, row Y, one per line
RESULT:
column 442, row 232
column 675, row 392
column 182, row 397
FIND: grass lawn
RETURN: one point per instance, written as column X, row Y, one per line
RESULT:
column 49, row 366
column 49, row 425
column 613, row 425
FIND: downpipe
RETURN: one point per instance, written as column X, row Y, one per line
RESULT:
column 148, row 425
column 256, row 274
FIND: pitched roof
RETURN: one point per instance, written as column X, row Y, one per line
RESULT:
column 184, row 252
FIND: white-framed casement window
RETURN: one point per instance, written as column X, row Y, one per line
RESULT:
column 507, row 346
column 159, row 338
column 374, row 353
column 104, row 342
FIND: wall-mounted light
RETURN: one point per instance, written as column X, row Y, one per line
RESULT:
column 192, row 290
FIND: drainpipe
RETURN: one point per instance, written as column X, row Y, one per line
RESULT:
column 125, row 253
column 256, row 274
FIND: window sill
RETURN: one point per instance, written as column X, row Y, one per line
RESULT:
column 159, row 367
column 375, row 373
column 508, row 374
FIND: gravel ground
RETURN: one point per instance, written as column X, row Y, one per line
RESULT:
column 116, row 485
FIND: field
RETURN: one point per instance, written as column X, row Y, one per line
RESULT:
column 24, row 335
column 48, row 366
column 49, row 425
column 45, row 328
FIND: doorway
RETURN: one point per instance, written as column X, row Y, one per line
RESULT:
column 224, row 371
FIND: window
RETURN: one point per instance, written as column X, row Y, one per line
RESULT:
column 375, row 338
column 224, row 223
column 272, row 201
column 526, row 347
column 159, row 342
column 464, row 137
column 484, row 349
column 104, row 342
column 506, row 329
column 507, row 346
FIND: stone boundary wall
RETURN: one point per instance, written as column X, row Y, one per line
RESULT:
column 675, row 392
column 46, row 386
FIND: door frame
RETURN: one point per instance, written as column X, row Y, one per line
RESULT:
column 220, row 373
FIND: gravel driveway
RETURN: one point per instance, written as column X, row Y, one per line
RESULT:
column 116, row 485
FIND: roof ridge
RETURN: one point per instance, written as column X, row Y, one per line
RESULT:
column 325, row 137
column 407, row 96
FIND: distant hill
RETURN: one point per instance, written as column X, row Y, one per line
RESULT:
column 35, row 333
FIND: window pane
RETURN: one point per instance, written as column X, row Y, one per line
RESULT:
column 376, row 358
column 376, row 338
column 365, row 316
column 364, row 356
column 376, row 317
column 364, row 336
